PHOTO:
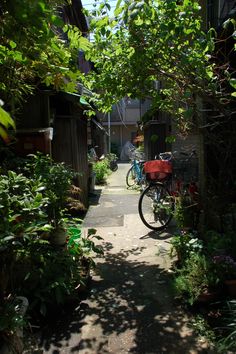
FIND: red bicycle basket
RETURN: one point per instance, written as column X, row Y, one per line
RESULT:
column 157, row 169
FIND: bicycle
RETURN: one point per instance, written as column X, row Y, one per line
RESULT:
column 135, row 175
column 157, row 202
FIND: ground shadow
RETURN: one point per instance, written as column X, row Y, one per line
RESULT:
column 161, row 235
column 130, row 305
column 94, row 196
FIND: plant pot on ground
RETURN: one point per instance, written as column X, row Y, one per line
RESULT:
column 83, row 248
column 58, row 236
column 12, row 321
column 197, row 277
column 57, row 181
column 226, row 268
column 183, row 244
column 231, row 287
column 186, row 211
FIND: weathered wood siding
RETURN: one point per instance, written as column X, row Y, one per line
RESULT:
column 69, row 145
column 152, row 146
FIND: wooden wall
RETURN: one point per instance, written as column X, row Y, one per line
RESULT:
column 69, row 145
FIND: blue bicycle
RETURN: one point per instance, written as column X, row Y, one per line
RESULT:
column 135, row 175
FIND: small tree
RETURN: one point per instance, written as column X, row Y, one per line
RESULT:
column 148, row 41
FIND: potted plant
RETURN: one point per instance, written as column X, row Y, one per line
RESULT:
column 226, row 268
column 185, row 212
column 22, row 221
column 57, row 179
column 183, row 244
column 12, row 321
column 197, row 279
column 218, row 243
column 83, row 246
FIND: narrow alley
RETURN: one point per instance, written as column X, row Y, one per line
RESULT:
column 130, row 307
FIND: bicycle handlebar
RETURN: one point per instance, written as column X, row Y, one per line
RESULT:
column 172, row 155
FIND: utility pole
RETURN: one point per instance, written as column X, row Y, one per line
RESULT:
column 109, row 131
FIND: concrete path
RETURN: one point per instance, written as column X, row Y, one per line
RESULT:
column 130, row 308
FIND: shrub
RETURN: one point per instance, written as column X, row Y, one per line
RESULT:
column 196, row 277
column 53, row 274
column 184, row 244
column 57, row 179
column 101, row 168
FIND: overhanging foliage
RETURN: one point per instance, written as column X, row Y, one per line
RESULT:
column 148, row 41
column 36, row 48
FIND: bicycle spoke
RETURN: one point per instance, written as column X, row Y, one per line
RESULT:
column 156, row 207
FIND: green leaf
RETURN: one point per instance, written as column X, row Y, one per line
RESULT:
column 118, row 4
column 139, row 22
column 12, row 44
column 84, row 44
column 209, row 72
column 170, row 139
column 226, row 23
column 6, row 121
column 4, row 135
column 108, row 6
column 8, row 238
column 98, row 237
column 188, row 113
column 91, row 232
column 134, row 14
column 117, row 11
column 57, row 21
column 233, row 83
column 83, row 101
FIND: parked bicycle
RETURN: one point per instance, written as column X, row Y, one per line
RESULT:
column 135, row 175
column 158, row 200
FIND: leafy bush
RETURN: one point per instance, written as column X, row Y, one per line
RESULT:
column 101, row 168
column 226, row 332
column 184, row 244
column 51, row 275
column 31, row 205
column 11, row 318
column 197, row 276
column 57, row 179
column 23, row 219
column 83, row 247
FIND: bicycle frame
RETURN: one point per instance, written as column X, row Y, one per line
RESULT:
column 158, row 201
column 135, row 175
column 138, row 169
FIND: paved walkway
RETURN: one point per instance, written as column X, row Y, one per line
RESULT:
column 130, row 308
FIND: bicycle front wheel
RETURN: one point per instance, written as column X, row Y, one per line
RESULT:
column 156, row 207
column 131, row 177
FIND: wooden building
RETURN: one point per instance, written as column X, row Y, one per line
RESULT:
column 54, row 122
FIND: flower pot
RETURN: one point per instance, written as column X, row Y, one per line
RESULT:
column 58, row 237
column 208, row 296
column 231, row 287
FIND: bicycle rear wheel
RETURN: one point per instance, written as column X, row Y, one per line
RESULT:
column 156, row 207
column 131, row 177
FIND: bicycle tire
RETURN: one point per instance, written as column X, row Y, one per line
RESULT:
column 156, row 206
column 130, row 177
